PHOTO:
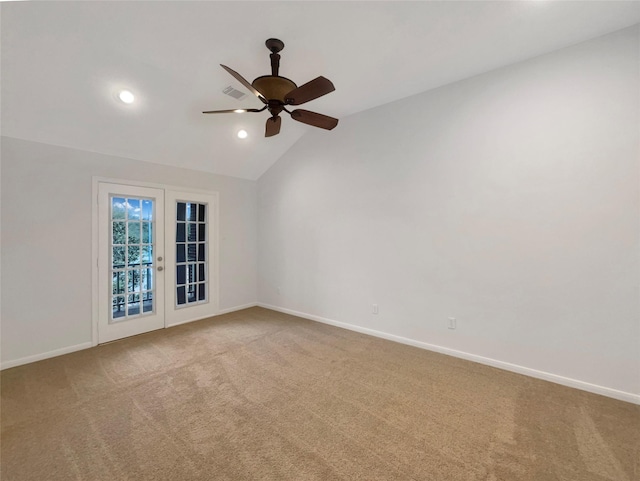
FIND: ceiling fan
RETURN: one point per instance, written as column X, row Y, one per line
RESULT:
column 277, row 92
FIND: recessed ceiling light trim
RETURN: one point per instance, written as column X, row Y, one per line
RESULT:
column 242, row 134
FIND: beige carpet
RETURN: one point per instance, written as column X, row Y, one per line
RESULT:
column 259, row 395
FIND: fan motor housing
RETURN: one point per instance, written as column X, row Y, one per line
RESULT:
column 274, row 87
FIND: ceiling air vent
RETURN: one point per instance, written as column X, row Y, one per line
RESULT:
column 236, row 94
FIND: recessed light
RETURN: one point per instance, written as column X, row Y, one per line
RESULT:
column 242, row 134
column 126, row 96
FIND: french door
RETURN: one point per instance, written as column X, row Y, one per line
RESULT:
column 191, row 260
column 130, row 260
column 156, row 259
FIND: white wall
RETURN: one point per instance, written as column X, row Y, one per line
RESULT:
column 47, row 239
column 509, row 201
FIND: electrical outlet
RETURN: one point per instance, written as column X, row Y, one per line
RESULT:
column 452, row 323
column 375, row 309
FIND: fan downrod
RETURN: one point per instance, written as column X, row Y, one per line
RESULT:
column 274, row 45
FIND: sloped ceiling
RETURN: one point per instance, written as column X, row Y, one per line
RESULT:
column 63, row 63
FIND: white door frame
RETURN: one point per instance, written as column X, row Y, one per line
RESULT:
column 213, row 238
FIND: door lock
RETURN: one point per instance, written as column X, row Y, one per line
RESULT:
column 160, row 268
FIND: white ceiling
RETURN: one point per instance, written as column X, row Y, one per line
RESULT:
column 63, row 62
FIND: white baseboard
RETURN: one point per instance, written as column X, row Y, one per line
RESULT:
column 574, row 383
column 45, row 355
column 219, row 313
column 237, row 308
column 87, row 345
column 179, row 323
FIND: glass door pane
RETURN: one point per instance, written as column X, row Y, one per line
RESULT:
column 132, row 249
column 191, row 253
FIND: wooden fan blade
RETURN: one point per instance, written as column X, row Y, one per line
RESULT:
column 309, row 91
column 238, row 111
column 242, row 80
column 315, row 119
column 273, row 126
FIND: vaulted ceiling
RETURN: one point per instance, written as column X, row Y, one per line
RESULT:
column 64, row 62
